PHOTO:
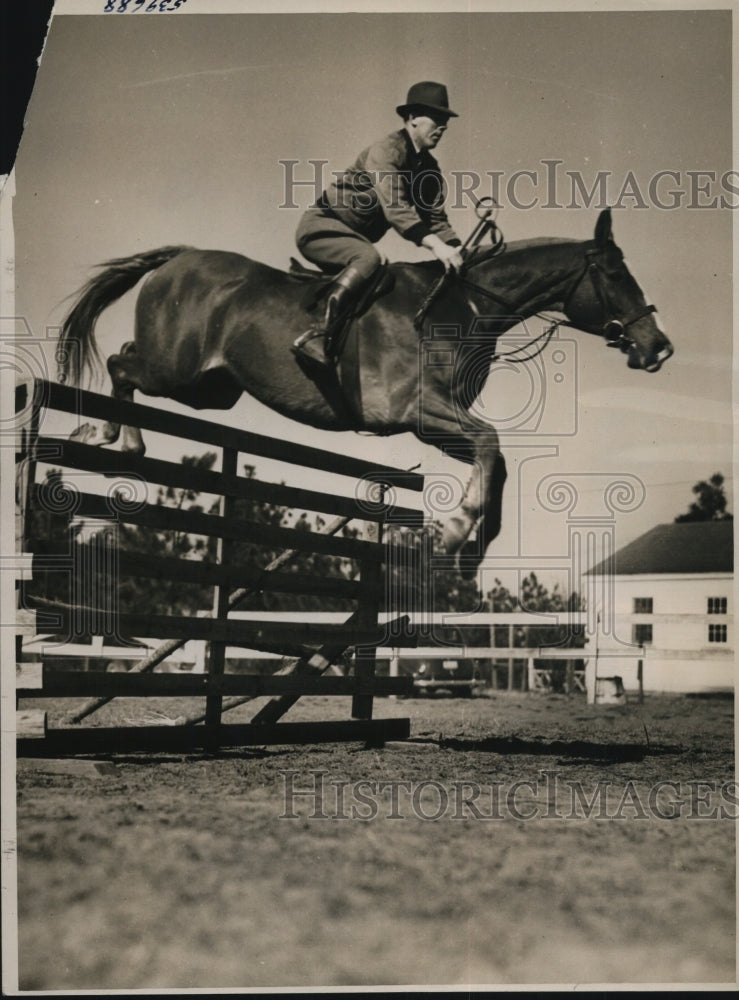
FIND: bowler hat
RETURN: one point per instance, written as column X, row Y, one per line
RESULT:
column 432, row 96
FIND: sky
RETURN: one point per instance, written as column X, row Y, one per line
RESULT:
column 144, row 131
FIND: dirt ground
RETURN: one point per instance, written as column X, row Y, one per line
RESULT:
column 196, row 872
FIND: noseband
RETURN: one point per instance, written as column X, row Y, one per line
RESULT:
column 614, row 327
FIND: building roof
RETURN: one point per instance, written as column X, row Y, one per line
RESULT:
column 688, row 547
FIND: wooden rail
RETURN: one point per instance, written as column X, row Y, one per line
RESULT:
column 52, row 396
column 315, row 647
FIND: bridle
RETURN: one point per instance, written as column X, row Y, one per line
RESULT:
column 614, row 327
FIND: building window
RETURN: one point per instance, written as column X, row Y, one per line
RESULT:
column 717, row 633
column 641, row 635
column 716, row 605
column 642, row 605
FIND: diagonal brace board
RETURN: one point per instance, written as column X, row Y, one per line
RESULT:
column 172, row 645
column 312, row 663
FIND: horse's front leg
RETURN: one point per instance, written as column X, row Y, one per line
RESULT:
column 481, row 503
column 489, row 503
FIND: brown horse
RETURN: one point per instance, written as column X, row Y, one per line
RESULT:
column 211, row 325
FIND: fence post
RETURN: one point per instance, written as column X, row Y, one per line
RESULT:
column 510, row 658
column 569, row 676
column 369, row 608
column 217, row 649
column 25, row 474
column 26, row 461
column 394, row 670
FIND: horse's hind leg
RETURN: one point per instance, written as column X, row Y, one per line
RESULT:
column 122, row 369
column 124, row 373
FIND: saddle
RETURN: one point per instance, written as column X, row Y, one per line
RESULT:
column 381, row 283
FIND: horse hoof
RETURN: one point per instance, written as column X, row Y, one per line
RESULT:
column 467, row 561
column 455, row 534
column 84, row 434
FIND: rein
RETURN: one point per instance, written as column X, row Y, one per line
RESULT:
column 614, row 328
column 545, row 336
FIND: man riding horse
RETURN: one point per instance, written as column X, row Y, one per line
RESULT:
column 205, row 329
column 394, row 183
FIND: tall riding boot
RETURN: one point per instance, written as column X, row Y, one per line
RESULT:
column 316, row 345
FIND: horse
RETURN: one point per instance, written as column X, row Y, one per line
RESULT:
column 211, row 325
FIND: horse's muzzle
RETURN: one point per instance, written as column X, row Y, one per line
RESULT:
column 651, row 364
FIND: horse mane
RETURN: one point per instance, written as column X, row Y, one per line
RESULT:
column 481, row 255
column 433, row 268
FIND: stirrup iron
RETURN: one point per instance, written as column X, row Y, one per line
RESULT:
column 311, row 346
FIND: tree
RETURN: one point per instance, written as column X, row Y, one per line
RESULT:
column 711, row 502
column 533, row 597
column 82, row 568
column 178, row 598
column 50, row 534
column 56, row 532
column 421, row 578
column 165, row 596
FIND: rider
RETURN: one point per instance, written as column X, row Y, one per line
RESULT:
column 395, row 183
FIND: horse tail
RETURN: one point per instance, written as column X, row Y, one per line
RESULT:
column 77, row 349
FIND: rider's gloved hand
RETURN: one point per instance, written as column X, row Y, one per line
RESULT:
column 449, row 256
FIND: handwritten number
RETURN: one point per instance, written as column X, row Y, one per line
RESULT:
column 123, row 6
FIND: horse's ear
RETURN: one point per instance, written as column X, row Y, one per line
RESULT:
column 604, row 228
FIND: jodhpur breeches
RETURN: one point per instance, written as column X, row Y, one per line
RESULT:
column 327, row 242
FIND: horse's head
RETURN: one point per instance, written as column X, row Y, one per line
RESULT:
column 606, row 300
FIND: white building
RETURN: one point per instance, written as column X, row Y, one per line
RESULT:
column 669, row 593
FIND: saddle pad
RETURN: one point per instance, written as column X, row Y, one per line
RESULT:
column 382, row 282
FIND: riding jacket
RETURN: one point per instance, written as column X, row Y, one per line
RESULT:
column 391, row 185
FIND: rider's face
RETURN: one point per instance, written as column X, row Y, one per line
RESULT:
column 426, row 131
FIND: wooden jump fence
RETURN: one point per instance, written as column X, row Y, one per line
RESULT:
column 313, row 648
